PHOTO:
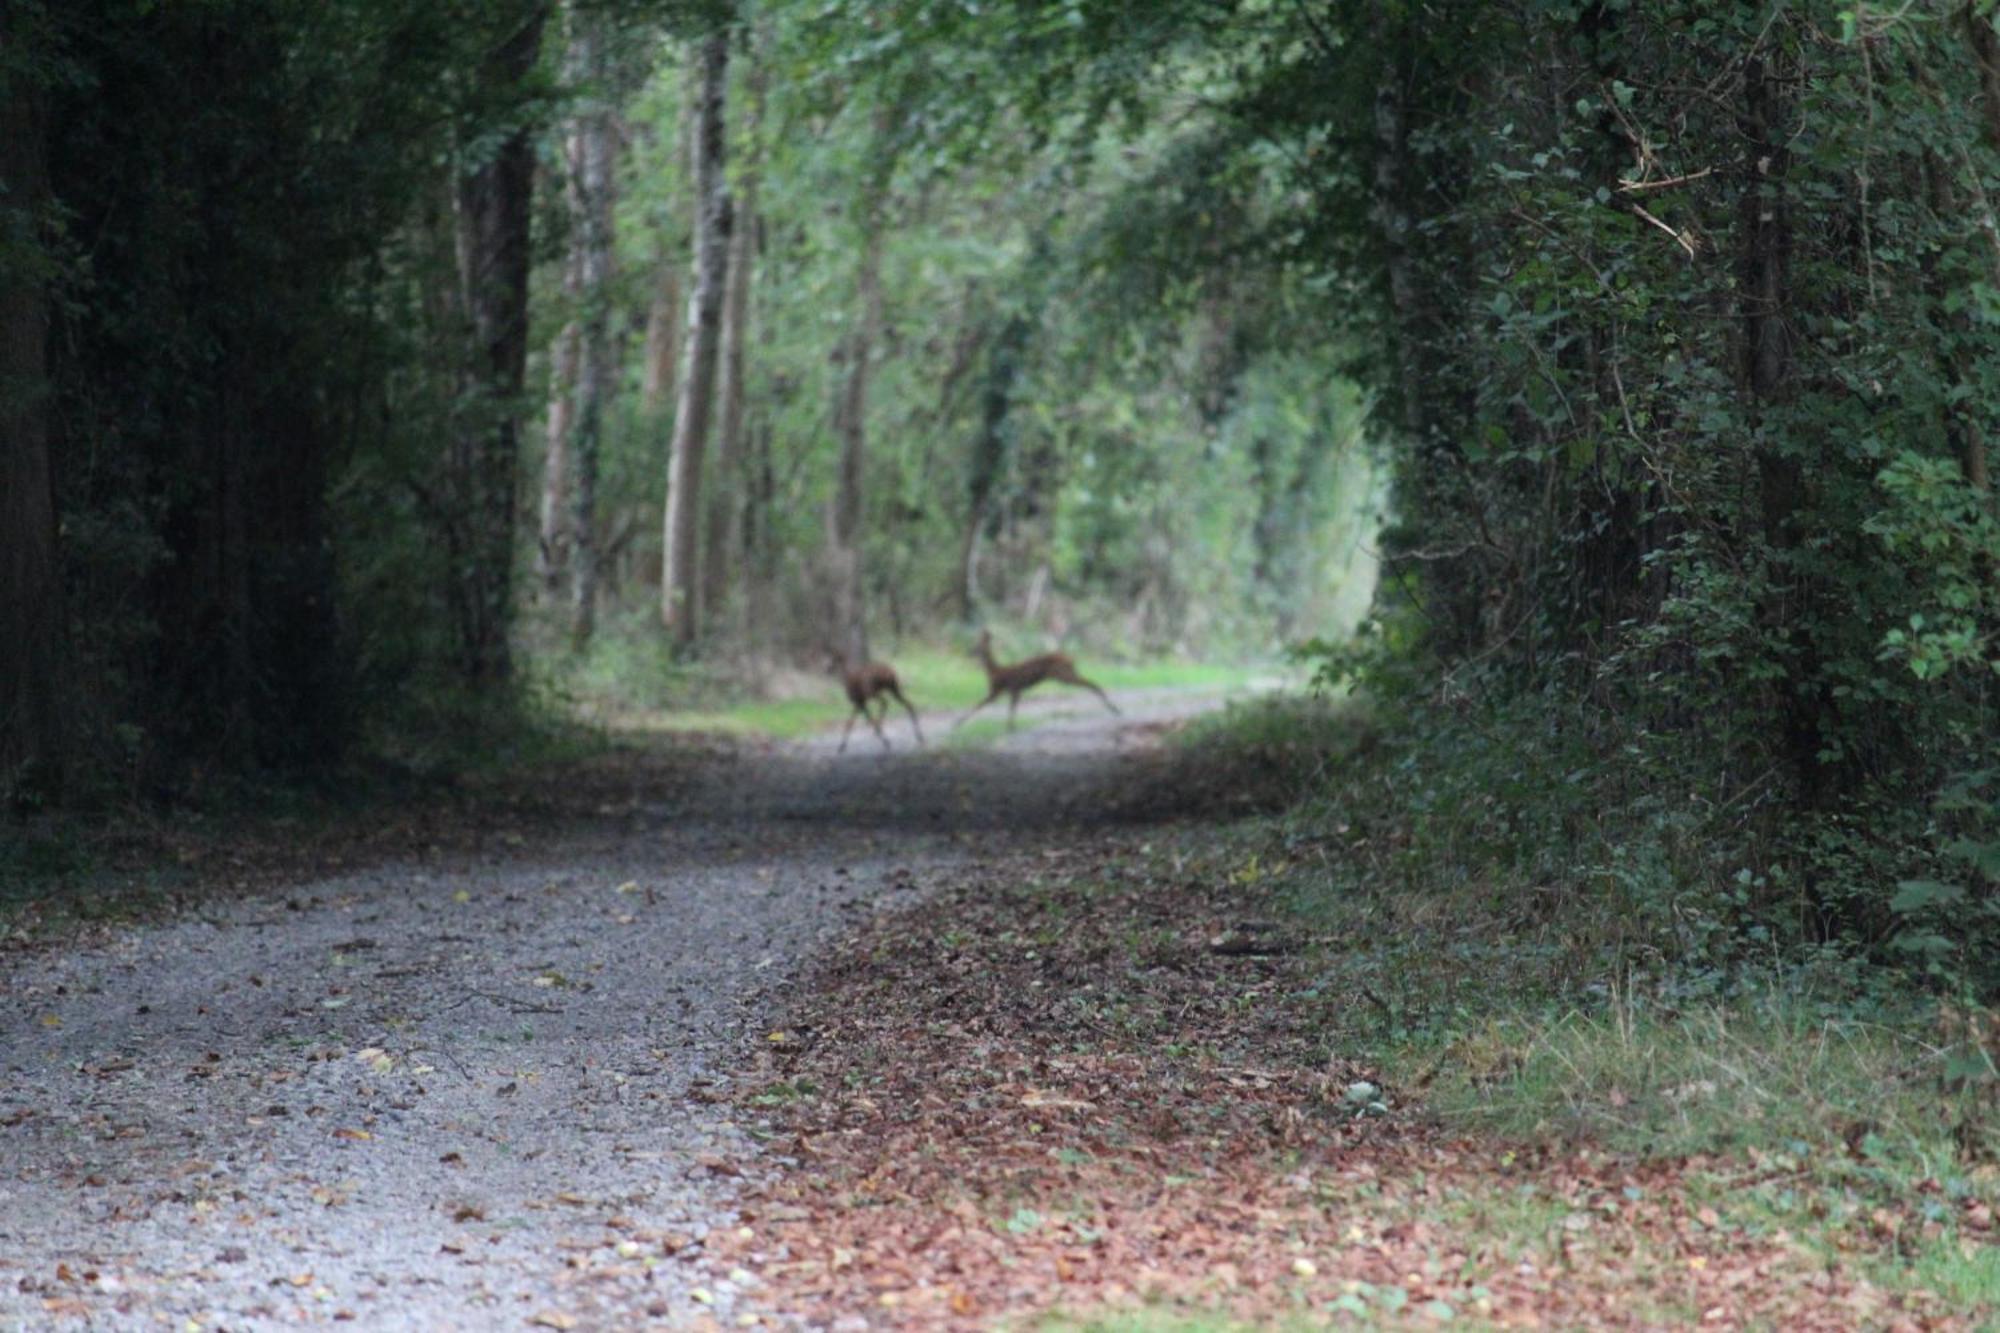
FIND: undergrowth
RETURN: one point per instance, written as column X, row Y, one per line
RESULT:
column 1532, row 945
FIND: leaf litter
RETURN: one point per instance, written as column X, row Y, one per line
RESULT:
column 1043, row 1090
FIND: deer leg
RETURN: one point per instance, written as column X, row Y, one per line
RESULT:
column 914, row 724
column 1013, row 702
column 1079, row 680
column 975, row 708
column 846, row 731
column 876, row 722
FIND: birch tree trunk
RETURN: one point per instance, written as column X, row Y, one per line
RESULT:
column 30, row 574
column 494, row 202
column 663, row 343
column 663, row 317
column 680, row 586
column 726, row 476
column 590, row 203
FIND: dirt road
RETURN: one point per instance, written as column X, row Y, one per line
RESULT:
column 477, row 1091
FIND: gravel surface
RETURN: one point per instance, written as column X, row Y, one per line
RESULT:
column 477, row 1092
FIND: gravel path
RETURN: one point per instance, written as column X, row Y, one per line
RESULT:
column 476, row 1094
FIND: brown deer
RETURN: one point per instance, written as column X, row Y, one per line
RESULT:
column 866, row 684
column 1016, row 679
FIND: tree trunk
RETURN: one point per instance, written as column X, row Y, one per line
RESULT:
column 552, row 549
column 31, row 698
column 851, row 425
column 1985, row 45
column 989, row 449
column 1767, row 375
column 495, row 204
column 726, row 476
column 663, row 343
column 1454, row 590
column 590, row 203
column 1390, row 212
column 680, row 585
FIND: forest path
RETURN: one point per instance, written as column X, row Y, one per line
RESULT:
column 480, row 1090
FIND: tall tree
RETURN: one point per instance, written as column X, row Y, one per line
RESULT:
column 680, row 584
column 1984, row 42
column 850, row 424
column 663, row 317
column 663, row 342
column 552, row 546
column 495, row 206
column 726, row 483
column 30, row 576
column 850, row 416
column 590, row 205
column 989, row 448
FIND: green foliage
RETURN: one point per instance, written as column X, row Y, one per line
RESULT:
column 1527, row 942
column 230, row 370
column 1691, row 400
column 1128, row 459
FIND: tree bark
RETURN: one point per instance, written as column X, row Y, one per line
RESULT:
column 851, row 425
column 680, row 585
column 989, row 451
column 663, row 343
column 552, row 549
column 494, row 204
column 590, row 203
column 31, row 697
column 1767, row 373
column 1985, row 44
column 726, row 476
column 1390, row 212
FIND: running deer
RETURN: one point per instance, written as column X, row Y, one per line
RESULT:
column 1018, row 678
column 866, row 684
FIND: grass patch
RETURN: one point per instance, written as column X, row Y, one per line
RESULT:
column 1838, row 1129
column 1104, row 1077
column 1145, row 1321
column 1530, row 962
column 644, row 689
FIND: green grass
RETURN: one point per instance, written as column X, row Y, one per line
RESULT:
column 1520, row 967
column 1143, row 1321
column 1812, row 1121
column 935, row 680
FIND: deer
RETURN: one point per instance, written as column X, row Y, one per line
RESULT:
column 1017, row 678
column 866, row 684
